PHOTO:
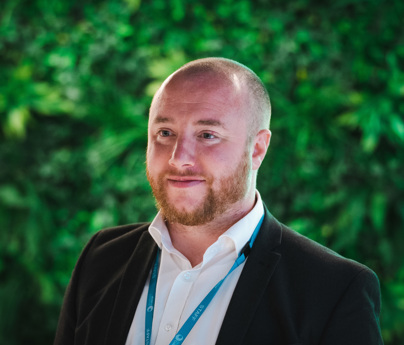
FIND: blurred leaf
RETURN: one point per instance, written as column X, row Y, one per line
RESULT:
column 397, row 126
column 11, row 197
column 378, row 211
column 17, row 121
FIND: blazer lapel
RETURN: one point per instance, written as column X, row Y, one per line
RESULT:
column 252, row 284
column 130, row 290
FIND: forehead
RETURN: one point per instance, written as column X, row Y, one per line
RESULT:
column 203, row 100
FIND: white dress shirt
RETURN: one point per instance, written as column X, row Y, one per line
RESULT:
column 181, row 287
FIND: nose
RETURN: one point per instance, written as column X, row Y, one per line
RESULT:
column 183, row 155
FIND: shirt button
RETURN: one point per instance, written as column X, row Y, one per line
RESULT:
column 168, row 327
column 187, row 276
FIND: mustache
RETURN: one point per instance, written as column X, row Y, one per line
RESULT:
column 183, row 173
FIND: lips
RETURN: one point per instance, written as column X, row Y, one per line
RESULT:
column 184, row 182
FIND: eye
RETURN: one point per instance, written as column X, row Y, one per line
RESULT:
column 165, row 133
column 208, row 136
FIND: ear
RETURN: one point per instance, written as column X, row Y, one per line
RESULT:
column 261, row 143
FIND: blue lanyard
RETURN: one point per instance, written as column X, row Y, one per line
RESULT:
column 197, row 313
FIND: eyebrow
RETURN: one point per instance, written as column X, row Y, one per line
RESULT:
column 161, row 119
column 207, row 122
column 210, row 122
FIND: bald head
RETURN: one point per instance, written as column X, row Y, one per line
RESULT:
column 234, row 74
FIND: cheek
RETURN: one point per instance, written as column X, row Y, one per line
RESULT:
column 157, row 151
column 221, row 162
column 156, row 158
column 228, row 155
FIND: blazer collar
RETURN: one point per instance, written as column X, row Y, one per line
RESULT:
column 130, row 289
column 253, row 282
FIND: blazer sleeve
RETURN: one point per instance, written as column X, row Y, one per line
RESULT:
column 66, row 329
column 355, row 318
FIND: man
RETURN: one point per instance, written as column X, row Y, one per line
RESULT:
column 214, row 267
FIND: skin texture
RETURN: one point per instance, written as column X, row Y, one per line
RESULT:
column 202, row 157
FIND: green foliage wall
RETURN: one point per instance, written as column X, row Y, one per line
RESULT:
column 76, row 80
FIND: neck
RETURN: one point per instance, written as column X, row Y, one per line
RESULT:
column 193, row 241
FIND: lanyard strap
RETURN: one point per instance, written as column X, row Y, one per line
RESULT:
column 197, row 313
column 150, row 300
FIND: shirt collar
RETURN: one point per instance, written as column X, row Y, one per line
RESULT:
column 242, row 231
column 239, row 233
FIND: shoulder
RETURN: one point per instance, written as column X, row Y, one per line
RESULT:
column 308, row 272
column 122, row 239
column 317, row 291
column 317, row 265
column 112, row 247
column 108, row 253
column 304, row 260
column 310, row 253
column 110, row 256
column 121, row 233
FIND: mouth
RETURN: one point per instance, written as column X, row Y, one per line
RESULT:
column 184, row 181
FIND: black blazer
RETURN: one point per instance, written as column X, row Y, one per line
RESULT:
column 291, row 291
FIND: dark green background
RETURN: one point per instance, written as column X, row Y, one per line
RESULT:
column 76, row 81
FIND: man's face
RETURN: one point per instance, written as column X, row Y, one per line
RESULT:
column 198, row 161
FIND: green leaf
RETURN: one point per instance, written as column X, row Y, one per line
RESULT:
column 17, row 121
